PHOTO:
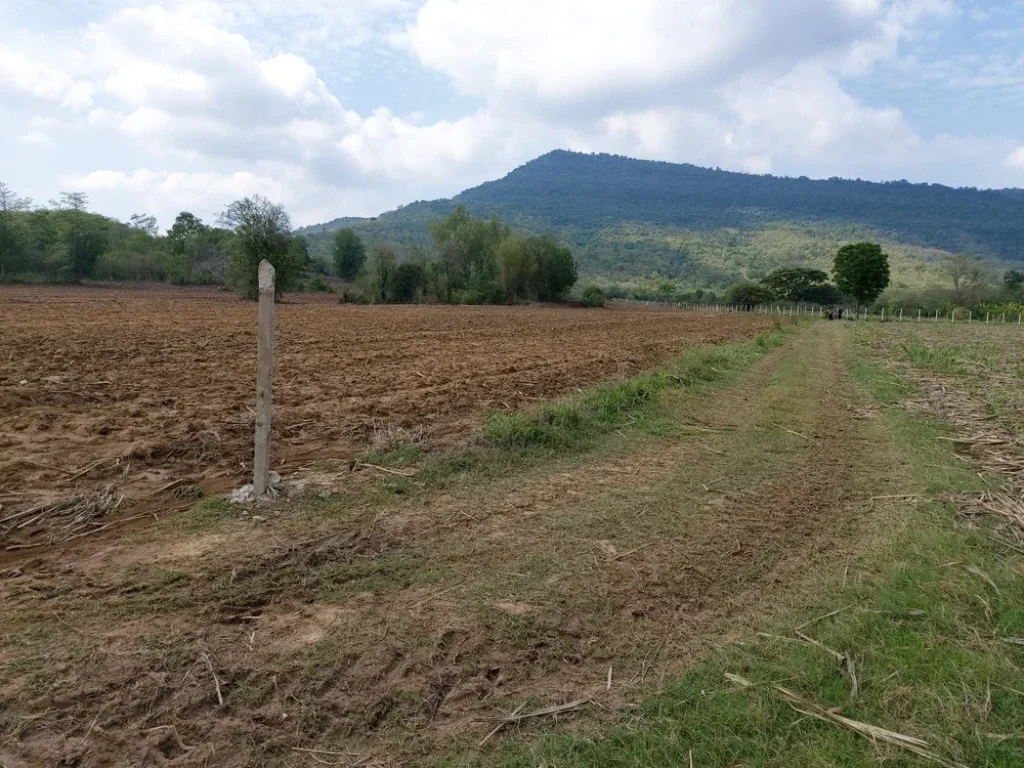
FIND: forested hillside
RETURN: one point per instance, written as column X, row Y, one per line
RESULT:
column 628, row 218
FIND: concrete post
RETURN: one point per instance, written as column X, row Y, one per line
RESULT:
column 264, row 380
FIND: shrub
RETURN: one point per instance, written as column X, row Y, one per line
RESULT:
column 592, row 297
column 749, row 294
column 318, row 285
column 352, row 295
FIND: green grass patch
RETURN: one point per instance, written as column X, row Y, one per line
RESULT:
column 938, row 359
column 924, row 616
column 571, row 422
column 205, row 514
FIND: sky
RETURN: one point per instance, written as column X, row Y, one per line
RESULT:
column 353, row 107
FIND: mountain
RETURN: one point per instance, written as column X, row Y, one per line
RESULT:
column 626, row 218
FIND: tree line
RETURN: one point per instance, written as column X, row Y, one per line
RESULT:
column 861, row 272
column 470, row 260
column 64, row 242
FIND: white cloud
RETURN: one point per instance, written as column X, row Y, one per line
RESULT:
column 1016, row 158
column 23, row 77
column 554, row 54
column 232, row 98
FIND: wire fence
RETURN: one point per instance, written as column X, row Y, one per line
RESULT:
column 812, row 310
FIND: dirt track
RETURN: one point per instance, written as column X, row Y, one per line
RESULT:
column 138, row 390
column 388, row 629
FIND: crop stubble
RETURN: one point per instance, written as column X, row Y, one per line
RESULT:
column 136, row 389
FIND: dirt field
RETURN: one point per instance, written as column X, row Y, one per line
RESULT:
column 148, row 394
column 387, row 630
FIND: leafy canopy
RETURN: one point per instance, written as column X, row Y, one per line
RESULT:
column 793, row 283
column 862, row 271
column 262, row 231
column 749, row 294
column 349, row 254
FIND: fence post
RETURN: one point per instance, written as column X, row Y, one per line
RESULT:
column 883, row 314
column 936, row 315
column 264, row 379
column 986, row 317
column 919, row 315
column 970, row 315
column 901, row 314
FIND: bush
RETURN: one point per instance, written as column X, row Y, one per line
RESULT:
column 352, row 295
column 318, row 285
column 749, row 294
column 592, row 297
column 466, row 297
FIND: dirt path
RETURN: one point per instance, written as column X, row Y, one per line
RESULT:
column 391, row 627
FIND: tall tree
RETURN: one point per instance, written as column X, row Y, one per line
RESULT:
column 516, row 267
column 862, row 271
column 966, row 273
column 385, row 267
column 466, row 247
column 188, row 243
column 12, row 238
column 144, row 223
column 349, row 254
column 262, row 231
column 555, row 268
column 85, row 239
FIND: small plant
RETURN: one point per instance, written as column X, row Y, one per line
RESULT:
column 592, row 297
column 318, row 285
column 941, row 360
column 352, row 295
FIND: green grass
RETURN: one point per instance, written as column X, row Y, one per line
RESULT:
column 938, row 359
column 571, row 422
column 205, row 514
column 925, row 637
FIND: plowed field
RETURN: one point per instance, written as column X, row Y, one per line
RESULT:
column 139, row 391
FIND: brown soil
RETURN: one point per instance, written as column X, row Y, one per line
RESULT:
column 388, row 630
column 149, row 394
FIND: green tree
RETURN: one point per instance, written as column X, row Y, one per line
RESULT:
column 84, row 239
column 554, row 267
column 188, row 243
column 262, row 231
column 349, row 254
column 1013, row 283
column 966, row 273
column 385, row 267
column 144, row 223
column 298, row 253
column 824, row 295
column 466, row 249
column 792, row 283
column 13, row 239
column 861, row 270
column 749, row 294
column 592, row 297
column 515, row 268
column 406, row 283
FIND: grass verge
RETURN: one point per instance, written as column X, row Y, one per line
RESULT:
column 922, row 637
column 572, row 421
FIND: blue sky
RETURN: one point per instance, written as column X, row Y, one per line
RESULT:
column 352, row 107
